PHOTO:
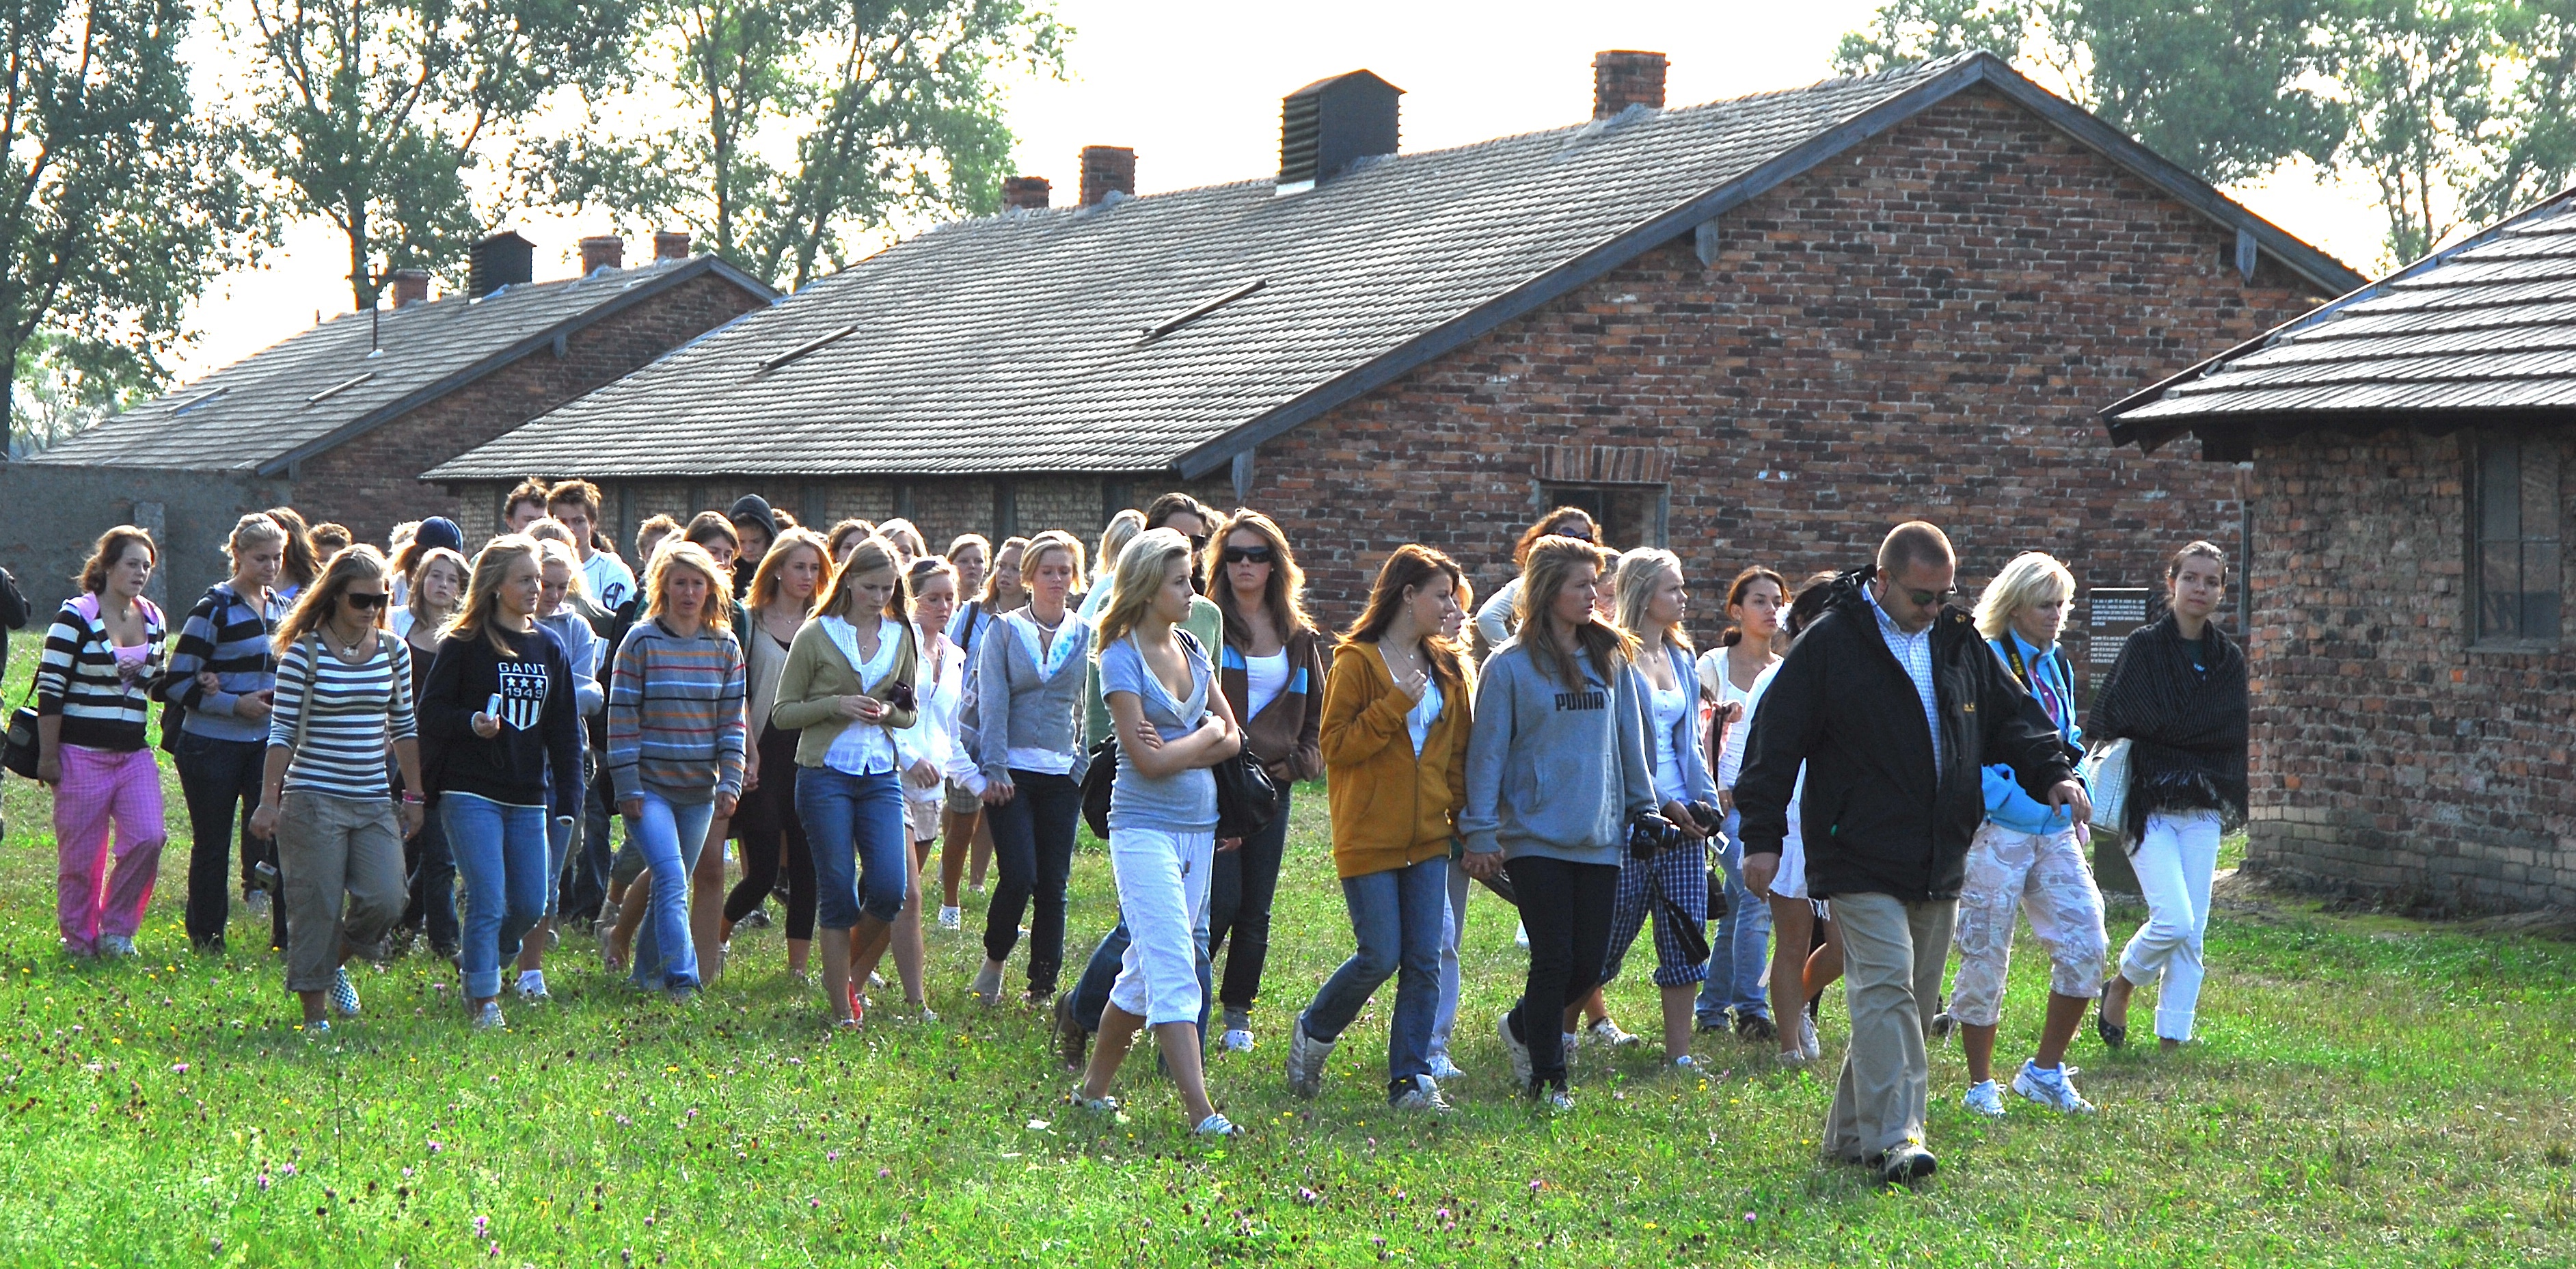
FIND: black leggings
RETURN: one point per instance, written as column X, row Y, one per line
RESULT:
column 1567, row 909
column 765, row 818
column 1033, row 850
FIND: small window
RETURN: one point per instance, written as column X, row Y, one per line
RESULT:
column 2515, row 570
column 1629, row 515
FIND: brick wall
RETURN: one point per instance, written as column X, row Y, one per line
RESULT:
column 370, row 483
column 1923, row 327
column 2391, row 758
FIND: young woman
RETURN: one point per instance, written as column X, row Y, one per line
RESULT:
column 329, row 539
column 93, row 693
column 224, row 678
column 1556, row 775
column 1114, row 537
column 501, row 753
column 1806, row 957
column 849, row 685
column 783, row 592
column 1671, row 884
column 676, row 746
column 971, row 554
column 1394, row 742
column 299, row 568
column 2027, row 859
column 437, row 533
column 438, row 577
column 343, row 699
column 1272, row 671
column 931, row 755
column 564, row 610
column 755, row 527
column 966, row 827
column 908, row 542
column 2178, row 695
column 1029, row 679
column 1496, row 621
column 843, row 536
column 1726, row 676
column 1172, row 725
column 1453, row 929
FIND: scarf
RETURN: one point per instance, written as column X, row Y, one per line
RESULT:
column 2187, row 728
column 1069, row 639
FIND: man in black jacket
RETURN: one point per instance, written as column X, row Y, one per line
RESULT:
column 1894, row 705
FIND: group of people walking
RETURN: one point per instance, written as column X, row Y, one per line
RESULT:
column 1858, row 774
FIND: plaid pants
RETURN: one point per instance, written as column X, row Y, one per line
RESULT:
column 1674, row 879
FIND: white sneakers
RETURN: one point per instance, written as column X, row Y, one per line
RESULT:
column 950, row 918
column 1514, row 1049
column 1606, row 1032
column 1306, row 1058
column 1423, row 1097
column 532, row 985
column 1236, row 1040
column 488, row 1018
column 2054, row 1089
column 1984, row 1099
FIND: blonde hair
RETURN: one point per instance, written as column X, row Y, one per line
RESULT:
column 907, row 539
column 251, row 531
column 657, row 583
column 2033, row 577
column 1551, row 560
column 764, row 580
column 867, row 555
column 549, row 529
column 483, row 588
column 1114, row 537
column 1053, row 540
column 552, row 551
column 359, row 563
column 420, row 567
column 1640, row 575
column 1141, row 564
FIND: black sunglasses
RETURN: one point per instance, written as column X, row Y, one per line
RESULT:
column 1927, row 598
column 1247, row 555
column 365, row 602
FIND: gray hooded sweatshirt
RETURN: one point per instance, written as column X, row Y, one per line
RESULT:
column 1555, row 771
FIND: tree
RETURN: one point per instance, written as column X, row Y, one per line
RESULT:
column 817, row 123
column 2458, row 110
column 118, row 202
column 370, row 113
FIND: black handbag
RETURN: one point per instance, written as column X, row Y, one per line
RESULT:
column 1096, row 781
column 20, row 753
column 1246, row 800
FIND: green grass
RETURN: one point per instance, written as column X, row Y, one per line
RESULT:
column 2368, row 1093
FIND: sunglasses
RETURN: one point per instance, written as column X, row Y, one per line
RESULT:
column 364, row 602
column 1927, row 598
column 1247, row 555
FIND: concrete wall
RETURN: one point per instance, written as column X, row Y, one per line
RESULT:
column 50, row 517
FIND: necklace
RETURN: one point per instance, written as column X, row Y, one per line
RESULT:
column 348, row 650
column 1043, row 627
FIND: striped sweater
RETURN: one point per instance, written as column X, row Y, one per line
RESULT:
column 356, row 709
column 227, row 634
column 675, row 715
column 78, row 678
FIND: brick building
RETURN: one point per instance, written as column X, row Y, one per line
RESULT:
column 1754, row 330
column 340, row 420
column 2411, row 450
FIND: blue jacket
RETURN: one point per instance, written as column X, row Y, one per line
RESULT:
column 2007, row 803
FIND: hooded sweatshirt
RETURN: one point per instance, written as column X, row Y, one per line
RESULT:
column 1554, row 769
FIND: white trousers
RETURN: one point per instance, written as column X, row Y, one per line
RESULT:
column 2174, row 861
column 1163, row 893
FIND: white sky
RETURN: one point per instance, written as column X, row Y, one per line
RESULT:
column 1194, row 87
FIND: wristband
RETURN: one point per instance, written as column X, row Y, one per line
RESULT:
column 411, row 797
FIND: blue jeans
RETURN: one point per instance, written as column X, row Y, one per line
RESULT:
column 501, row 857
column 1399, row 916
column 858, row 832
column 670, row 834
column 1739, row 954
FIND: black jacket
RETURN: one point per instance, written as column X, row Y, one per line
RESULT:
column 1877, row 819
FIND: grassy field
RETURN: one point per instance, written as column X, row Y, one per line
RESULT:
column 2369, row 1092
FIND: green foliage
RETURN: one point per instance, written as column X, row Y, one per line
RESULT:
column 2458, row 110
column 370, row 113
column 115, row 200
column 813, row 124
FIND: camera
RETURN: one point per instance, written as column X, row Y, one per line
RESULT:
column 1650, row 834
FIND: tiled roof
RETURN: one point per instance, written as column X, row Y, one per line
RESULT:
column 2482, row 329
column 1021, row 342
column 323, row 386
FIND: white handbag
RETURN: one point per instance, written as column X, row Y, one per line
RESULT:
column 2106, row 777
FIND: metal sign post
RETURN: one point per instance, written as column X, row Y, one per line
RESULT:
column 2110, row 614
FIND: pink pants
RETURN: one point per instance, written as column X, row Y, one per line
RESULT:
column 100, row 787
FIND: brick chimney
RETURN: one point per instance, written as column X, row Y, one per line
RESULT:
column 1031, row 193
column 1625, row 77
column 411, row 286
column 1106, row 168
column 670, row 244
column 605, row 251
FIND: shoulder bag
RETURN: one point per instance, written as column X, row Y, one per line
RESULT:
column 2106, row 777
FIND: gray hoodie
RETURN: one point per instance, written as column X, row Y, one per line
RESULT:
column 1554, row 772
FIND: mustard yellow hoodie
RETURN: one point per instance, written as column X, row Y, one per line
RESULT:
column 1390, row 809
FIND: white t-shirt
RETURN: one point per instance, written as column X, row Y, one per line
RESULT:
column 1264, row 679
column 611, row 582
column 1669, row 707
column 1717, row 684
column 1425, row 712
